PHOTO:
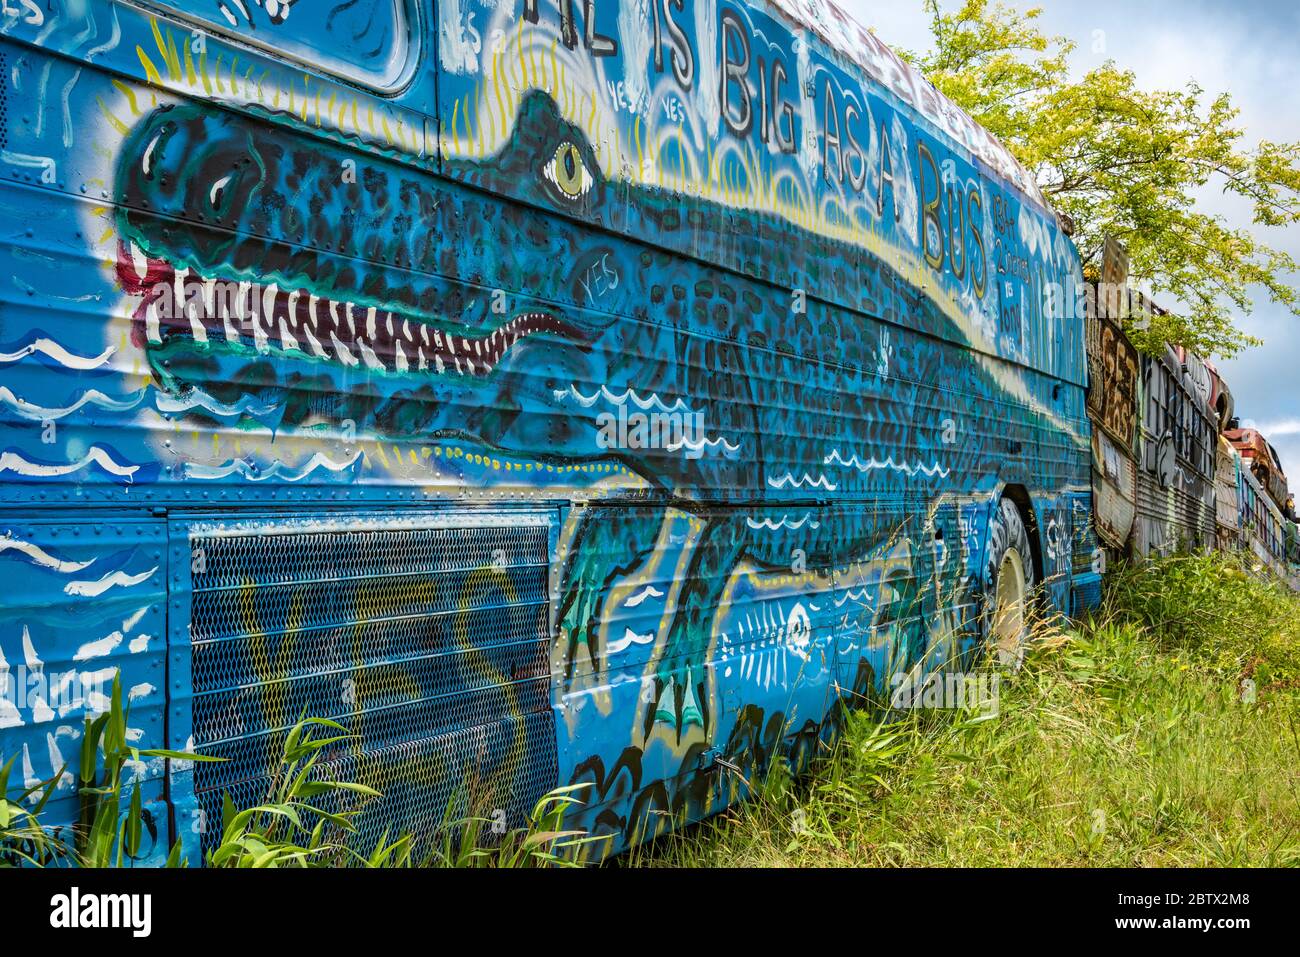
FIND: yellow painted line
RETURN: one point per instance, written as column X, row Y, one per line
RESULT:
column 108, row 114
column 150, row 71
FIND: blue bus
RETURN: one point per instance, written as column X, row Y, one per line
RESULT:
column 598, row 393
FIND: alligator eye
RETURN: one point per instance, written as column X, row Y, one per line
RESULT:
column 149, row 159
column 569, row 173
column 218, row 191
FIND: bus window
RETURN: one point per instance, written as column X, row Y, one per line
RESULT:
column 372, row 43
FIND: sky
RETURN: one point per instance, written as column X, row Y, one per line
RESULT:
column 1248, row 48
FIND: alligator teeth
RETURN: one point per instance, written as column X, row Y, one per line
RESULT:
column 268, row 303
column 287, row 341
column 197, row 329
column 178, row 287
column 341, row 352
column 316, row 348
column 139, row 261
column 260, row 340
column 368, row 355
column 232, row 334
column 152, row 328
column 270, row 316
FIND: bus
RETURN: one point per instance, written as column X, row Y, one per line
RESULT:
column 1264, row 529
column 596, row 394
column 1179, row 439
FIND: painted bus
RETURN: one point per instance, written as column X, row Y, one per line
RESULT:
column 602, row 393
column 1264, row 529
column 1165, row 475
column 1172, row 469
column 1259, row 455
column 1179, row 441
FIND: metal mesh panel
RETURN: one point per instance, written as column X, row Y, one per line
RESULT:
column 431, row 645
column 1085, row 595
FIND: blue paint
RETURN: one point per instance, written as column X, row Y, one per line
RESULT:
column 758, row 328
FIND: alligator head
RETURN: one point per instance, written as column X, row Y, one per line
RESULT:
column 283, row 271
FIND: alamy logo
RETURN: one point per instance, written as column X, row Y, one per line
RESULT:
column 75, row 910
column 668, row 431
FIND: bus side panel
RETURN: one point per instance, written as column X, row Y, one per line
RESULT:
column 247, row 300
column 82, row 604
column 1176, row 504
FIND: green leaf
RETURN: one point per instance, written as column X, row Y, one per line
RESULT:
column 134, row 823
column 181, row 755
column 4, row 775
column 174, row 857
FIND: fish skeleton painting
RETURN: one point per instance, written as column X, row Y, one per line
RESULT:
column 611, row 397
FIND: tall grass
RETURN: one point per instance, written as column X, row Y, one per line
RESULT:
column 1162, row 732
column 291, row 827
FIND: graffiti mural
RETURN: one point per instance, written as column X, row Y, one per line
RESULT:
column 1113, row 404
column 757, row 333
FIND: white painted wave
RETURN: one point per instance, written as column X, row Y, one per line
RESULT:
column 639, row 599
column 99, row 648
column 14, row 462
column 876, row 465
column 857, row 597
column 701, row 446
column 62, row 356
column 786, row 523
column 195, row 398
column 99, row 400
column 118, row 579
column 240, row 467
column 646, row 404
column 629, row 639
column 805, row 481
column 39, row 556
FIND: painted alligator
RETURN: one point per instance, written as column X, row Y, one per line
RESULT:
column 339, row 288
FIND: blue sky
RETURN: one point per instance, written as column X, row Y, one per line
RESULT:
column 1251, row 49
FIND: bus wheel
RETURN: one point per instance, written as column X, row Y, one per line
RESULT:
column 1008, row 582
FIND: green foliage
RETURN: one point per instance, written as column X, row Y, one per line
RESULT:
column 292, row 827
column 105, row 836
column 543, row 842
column 23, row 840
column 1218, row 611
column 1130, row 740
column 1124, row 161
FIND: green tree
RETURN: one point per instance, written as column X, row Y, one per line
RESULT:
column 1119, row 160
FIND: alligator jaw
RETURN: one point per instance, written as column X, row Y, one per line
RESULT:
column 180, row 303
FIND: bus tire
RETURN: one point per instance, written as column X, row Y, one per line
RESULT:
column 1008, row 586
